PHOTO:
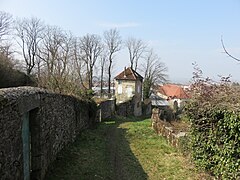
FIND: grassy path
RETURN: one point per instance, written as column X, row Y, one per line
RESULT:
column 124, row 148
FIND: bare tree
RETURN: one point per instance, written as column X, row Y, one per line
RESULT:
column 136, row 48
column 5, row 30
column 78, row 64
column 91, row 48
column 29, row 33
column 103, row 60
column 6, row 49
column 5, row 24
column 225, row 50
column 154, row 73
column 113, row 43
column 56, row 53
column 5, row 60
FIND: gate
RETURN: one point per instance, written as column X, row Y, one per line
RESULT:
column 26, row 146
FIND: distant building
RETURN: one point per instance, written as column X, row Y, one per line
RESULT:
column 175, row 94
column 158, row 101
column 128, row 84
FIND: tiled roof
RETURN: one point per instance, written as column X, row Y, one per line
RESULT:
column 173, row 91
column 129, row 74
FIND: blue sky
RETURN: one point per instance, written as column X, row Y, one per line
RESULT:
column 181, row 32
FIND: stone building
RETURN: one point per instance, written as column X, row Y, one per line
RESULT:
column 128, row 86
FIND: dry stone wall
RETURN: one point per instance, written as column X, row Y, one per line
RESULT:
column 174, row 138
column 54, row 121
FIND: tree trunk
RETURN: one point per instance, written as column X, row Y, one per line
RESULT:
column 109, row 78
column 101, row 91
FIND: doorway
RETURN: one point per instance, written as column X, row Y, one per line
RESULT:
column 31, row 145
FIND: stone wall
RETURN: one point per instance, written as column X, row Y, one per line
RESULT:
column 109, row 108
column 106, row 109
column 125, row 108
column 147, row 107
column 166, row 131
column 54, row 121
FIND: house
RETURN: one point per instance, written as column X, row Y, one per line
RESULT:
column 128, row 84
column 157, row 101
column 175, row 94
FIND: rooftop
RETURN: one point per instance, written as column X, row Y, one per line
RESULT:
column 129, row 74
column 173, row 91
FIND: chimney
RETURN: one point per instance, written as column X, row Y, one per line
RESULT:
column 124, row 75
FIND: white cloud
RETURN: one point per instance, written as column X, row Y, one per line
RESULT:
column 119, row 25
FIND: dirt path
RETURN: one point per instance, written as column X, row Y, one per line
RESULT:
column 123, row 162
column 112, row 149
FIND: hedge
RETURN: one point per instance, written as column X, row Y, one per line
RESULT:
column 214, row 113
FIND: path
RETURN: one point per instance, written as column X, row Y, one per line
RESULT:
column 122, row 149
column 112, row 148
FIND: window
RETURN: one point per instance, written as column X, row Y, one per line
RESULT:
column 129, row 91
column 119, row 89
column 139, row 89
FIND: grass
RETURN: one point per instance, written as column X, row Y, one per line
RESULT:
column 122, row 148
column 86, row 158
column 158, row 159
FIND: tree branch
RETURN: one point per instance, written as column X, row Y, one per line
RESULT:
column 225, row 50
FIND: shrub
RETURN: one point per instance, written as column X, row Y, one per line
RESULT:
column 10, row 77
column 214, row 113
